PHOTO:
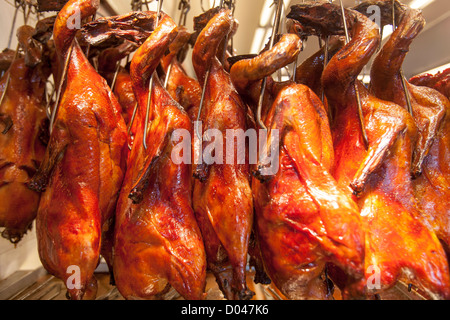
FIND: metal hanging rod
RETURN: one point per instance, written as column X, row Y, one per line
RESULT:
column 184, row 7
column 61, row 83
column 402, row 77
column 8, row 76
column 150, row 86
column 203, row 94
column 275, row 27
column 16, row 55
column 137, row 5
column 358, row 97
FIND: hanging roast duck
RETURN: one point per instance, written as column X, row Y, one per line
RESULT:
column 398, row 244
column 83, row 167
column 24, row 132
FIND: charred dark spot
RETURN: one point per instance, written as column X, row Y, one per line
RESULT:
column 7, row 123
column 258, row 175
column 136, row 196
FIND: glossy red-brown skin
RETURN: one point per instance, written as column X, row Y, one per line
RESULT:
column 303, row 218
column 107, row 68
column 158, row 243
column 431, row 112
column 397, row 239
column 6, row 58
column 21, row 149
column 247, row 75
column 309, row 72
column 439, row 81
column 183, row 88
column 84, row 166
column 295, row 225
column 123, row 90
column 223, row 200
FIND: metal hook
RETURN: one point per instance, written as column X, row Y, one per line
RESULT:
column 61, row 82
column 116, row 73
column 137, row 5
column 26, row 14
column 358, row 97
column 169, row 71
column 201, row 6
column 12, row 26
column 88, row 48
column 402, row 77
column 203, row 96
column 8, row 77
column 275, row 27
column 184, row 7
column 150, row 86
column 132, row 117
column 49, row 100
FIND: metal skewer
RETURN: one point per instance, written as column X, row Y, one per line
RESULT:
column 205, row 82
column 61, row 82
column 150, row 87
column 271, row 43
column 48, row 110
column 402, row 77
column 16, row 54
column 224, row 53
column 8, row 76
column 116, row 73
column 358, row 97
column 135, row 5
column 184, row 6
column 12, row 26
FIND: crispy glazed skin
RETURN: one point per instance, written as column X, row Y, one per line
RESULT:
column 396, row 238
column 83, row 167
column 158, row 243
column 303, row 218
column 299, row 226
column 431, row 112
column 123, row 89
column 223, row 200
column 6, row 58
column 247, row 74
column 23, row 127
column 439, row 81
column 184, row 89
column 309, row 72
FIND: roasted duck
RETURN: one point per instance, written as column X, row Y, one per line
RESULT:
column 158, row 244
column 303, row 219
column 83, row 167
column 24, row 133
column 398, row 244
column 431, row 112
column 222, row 200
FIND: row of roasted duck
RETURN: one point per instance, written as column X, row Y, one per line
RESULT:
column 363, row 213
